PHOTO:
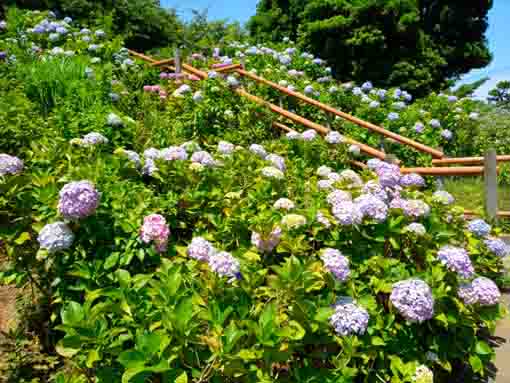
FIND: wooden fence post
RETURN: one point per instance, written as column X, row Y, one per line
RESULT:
column 243, row 62
column 491, row 184
column 178, row 68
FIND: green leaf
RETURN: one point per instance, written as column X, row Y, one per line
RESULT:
column 22, row 238
column 123, row 277
column 111, row 261
column 183, row 378
column 323, row 314
column 249, row 354
column 482, row 348
column 69, row 346
column 476, row 363
column 183, row 314
column 131, row 359
column 292, row 330
column 148, row 343
column 92, row 357
column 232, row 335
column 378, row 341
column 72, row 314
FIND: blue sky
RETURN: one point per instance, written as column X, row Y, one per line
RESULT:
column 498, row 33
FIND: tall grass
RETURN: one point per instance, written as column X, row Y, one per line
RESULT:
column 469, row 192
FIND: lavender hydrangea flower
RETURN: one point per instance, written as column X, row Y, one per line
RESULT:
column 149, row 167
column 389, row 175
column 325, row 184
column 374, row 104
column 324, row 171
column 114, row 120
column 374, row 163
column 277, row 161
column 133, row 157
column 225, row 148
column 446, row 134
column 333, row 176
column 435, row 123
column 155, row 229
column 309, row 89
column 10, row 165
column 336, row 264
column 419, row 127
column 94, row 138
column 372, row 207
column 232, row 81
column 3, row 24
column 412, row 180
column 456, row 259
column 413, row 299
column 152, row 153
column 349, row 318
column 55, row 237
column 351, row 178
column 200, row 249
column 293, row 221
column 322, row 219
column 293, row 135
column 173, row 153
column 338, row 196
column 374, row 188
column 452, row 98
column 416, row 228
column 225, row 265
column 416, row 208
column 78, row 199
column 479, row 227
column 392, row 116
column 497, row 246
column 481, row 290
column 334, row 137
column 258, row 150
column 347, row 213
column 272, row 172
column 266, row 244
column 443, row 197
column 204, row 158
column 309, row 135
column 284, row 204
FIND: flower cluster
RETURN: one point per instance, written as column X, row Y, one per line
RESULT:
column 349, row 318
column 416, row 208
column 10, row 165
column 413, row 299
column 277, row 161
column 412, row 180
column 267, row 244
column 479, row 228
column 416, row 228
column 481, row 290
column 456, row 259
column 497, row 246
column 443, row 197
column 284, row 204
column 423, row 374
column 225, row 148
column 155, row 229
column 293, row 221
column 204, row 158
column 200, row 249
column 78, row 199
column 372, row 207
column 272, row 172
column 173, row 153
column 55, row 237
column 336, row 264
column 225, row 265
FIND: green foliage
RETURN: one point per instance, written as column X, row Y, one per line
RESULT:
column 417, row 45
column 500, row 95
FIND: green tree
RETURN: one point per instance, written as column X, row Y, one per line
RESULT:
column 416, row 44
column 467, row 90
column 501, row 94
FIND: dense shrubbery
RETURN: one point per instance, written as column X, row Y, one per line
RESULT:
column 167, row 244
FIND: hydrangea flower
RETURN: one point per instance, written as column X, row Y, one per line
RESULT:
column 497, row 246
column 198, row 97
column 202, row 157
column 336, row 264
column 293, row 135
column 114, row 120
column 351, row 178
column 309, row 89
column 225, row 147
column 374, row 188
column 446, row 134
column 479, row 227
column 325, row 184
column 78, row 199
column 354, row 150
column 435, row 123
column 152, row 153
column 266, row 245
column 10, row 165
column 232, row 81
column 55, row 237
column 419, row 127
column 132, row 156
column 416, row 208
column 347, row 213
column 374, row 163
column 443, row 197
column 182, row 90
column 349, row 318
column 191, row 147
column 225, row 265
column 324, row 171
column 392, row 116
column 374, row 104
column 423, row 374
column 284, row 204
column 309, row 135
column 334, row 137
column 481, row 290
column 155, row 229
column 149, row 167
column 322, row 219
column 272, row 172
column 200, row 249
column 389, row 175
column 457, row 260
column 94, row 138
column 333, row 89
column 333, row 176
column 277, row 161
column 338, row 196
column 372, row 207
column 413, row 299
column 258, row 150
column 173, row 153
column 416, row 228
column 293, row 221
column 412, row 179
column 474, row 116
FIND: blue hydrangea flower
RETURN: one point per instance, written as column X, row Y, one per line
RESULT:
column 479, row 228
column 78, row 199
column 481, row 290
column 498, row 247
column 55, row 237
column 336, row 264
column 413, row 299
column 200, row 249
column 225, row 265
column 456, row 259
column 349, row 318
column 392, row 116
column 435, row 123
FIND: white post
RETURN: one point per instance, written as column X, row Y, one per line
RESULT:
column 491, row 184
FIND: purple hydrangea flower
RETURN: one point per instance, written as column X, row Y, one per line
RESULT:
column 266, row 244
column 498, row 247
column 452, row 98
column 481, row 290
column 416, row 208
column 322, row 219
column 334, row 137
column 336, row 264
column 446, row 134
column 3, row 24
column 479, row 228
column 416, row 228
column 367, row 86
column 389, row 175
column 374, row 163
column 435, row 123
column 232, row 81
column 419, row 127
column 78, row 199
column 412, row 179
column 55, row 237
column 456, row 259
column 325, row 184
column 374, row 188
column 155, row 229
column 309, row 135
column 374, row 104
column 293, row 135
column 174, row 153
column 338, row 196
column 347, row 213
column 94, row 138
column 202, row 157
column 284, row 204
column 152, row 153
column 149, row 167
column 413, row 299
column 349, row 318
column 392, row 116
column 324, row 171
column 309, row 89
column 200, row 249
column 258, row 150
column 443, row 197
column 10, row 165
column 277, row 161
column 225, row 265
column 225, row 147
column 372, row 207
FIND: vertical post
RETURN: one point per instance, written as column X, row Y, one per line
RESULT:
column 280, row 101
column 491, row 184
column 178, row 68
column 243, row 62
column 391, row 158
column 381, row 144
column 329, row 123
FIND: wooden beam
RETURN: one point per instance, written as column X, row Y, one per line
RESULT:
column 454, row 171
column 467, row 160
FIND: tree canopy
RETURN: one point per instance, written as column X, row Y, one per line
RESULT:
column 500, row 95
column 416, row 44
